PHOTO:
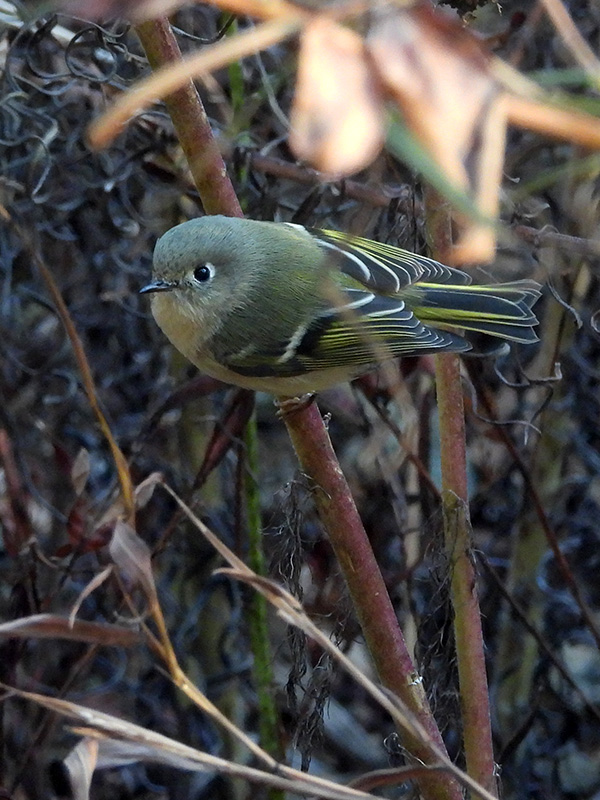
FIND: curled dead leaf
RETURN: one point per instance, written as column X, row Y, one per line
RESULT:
column 80, row 471
column 437, row 73
column 80, row 764
column 337, row 116
column 54, row 626
column 145, row 489
column 132, row 559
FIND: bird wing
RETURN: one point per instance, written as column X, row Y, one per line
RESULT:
column 369, row 328
column 437, row 294
column 383, row 268
column 361, row 329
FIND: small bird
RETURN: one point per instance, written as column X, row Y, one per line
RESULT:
column 280, row 308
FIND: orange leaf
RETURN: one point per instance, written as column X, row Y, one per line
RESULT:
column 438, row 75
column 337, row 116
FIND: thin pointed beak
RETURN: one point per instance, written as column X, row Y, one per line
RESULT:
column 157, row 286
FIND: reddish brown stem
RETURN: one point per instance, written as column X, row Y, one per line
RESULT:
column 477, row 733
column 467, row 616
column 370, row 597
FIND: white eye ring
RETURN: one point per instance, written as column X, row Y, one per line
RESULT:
column 204, row 273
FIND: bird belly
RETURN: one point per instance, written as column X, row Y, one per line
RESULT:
column 288, row 386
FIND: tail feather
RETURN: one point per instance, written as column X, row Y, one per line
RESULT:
column 502, row 310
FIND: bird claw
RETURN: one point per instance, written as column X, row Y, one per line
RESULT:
column 291, row 405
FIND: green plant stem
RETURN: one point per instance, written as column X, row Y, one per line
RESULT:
column 368, row 591
column 259, row 629
column 218, row 197
column 474, row 697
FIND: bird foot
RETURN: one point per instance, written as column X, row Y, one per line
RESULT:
column 291, row 405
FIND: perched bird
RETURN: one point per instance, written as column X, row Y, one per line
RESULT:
column 280, row 308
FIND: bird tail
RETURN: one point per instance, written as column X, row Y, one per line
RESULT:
column 503, row 310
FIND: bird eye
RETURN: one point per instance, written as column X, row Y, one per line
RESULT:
column 204, row 273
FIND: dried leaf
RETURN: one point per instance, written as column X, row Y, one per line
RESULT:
column 555, row 121
column 132, row 558
column 90, row 587
column 438, row 75
column 80, row 471
column 156, row 747
column 337, row 116
column 53, row 626
column 80, row 765
column 139, row 10
column 116, row 753
column 145, row 490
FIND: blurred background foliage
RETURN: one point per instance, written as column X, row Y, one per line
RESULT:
column 534, row 451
